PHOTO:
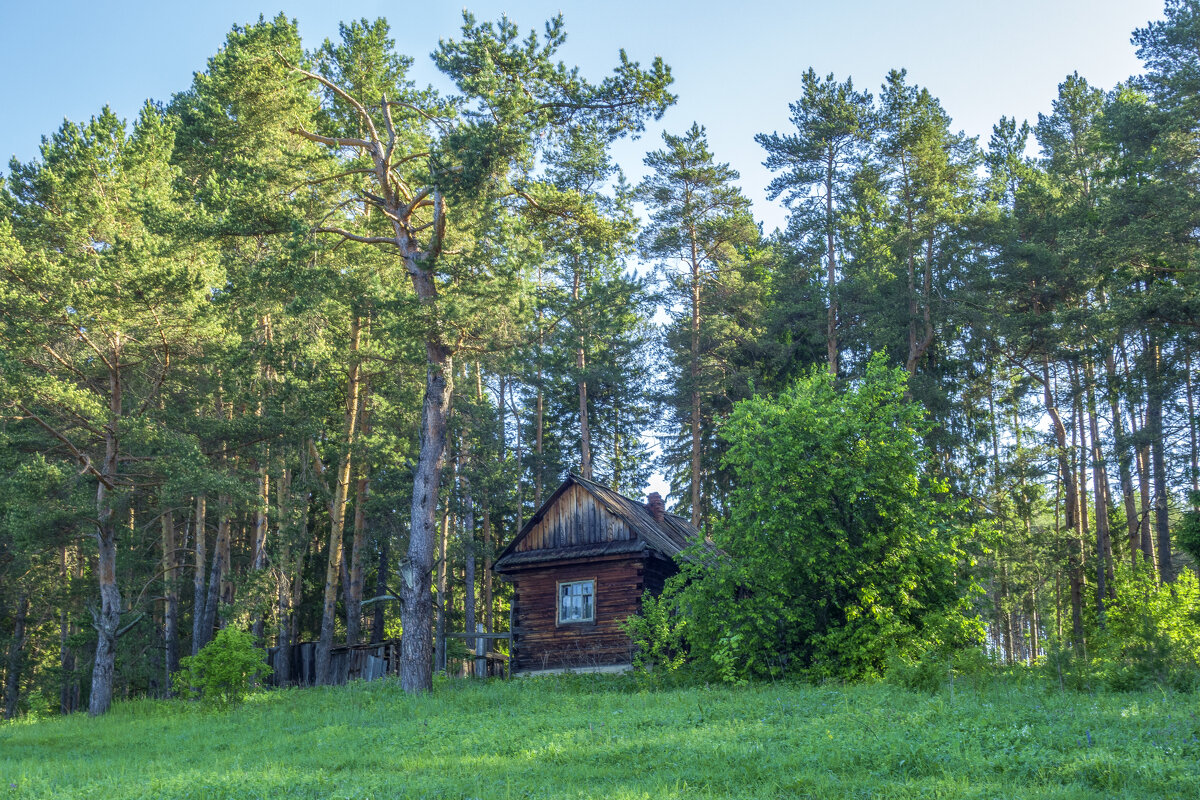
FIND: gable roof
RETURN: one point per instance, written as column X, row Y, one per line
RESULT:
column 669, row 537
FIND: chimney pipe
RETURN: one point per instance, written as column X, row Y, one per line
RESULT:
column 654, row 504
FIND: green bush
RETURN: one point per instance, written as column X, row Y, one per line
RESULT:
column 840, row 543
column 223, row 672
column 926, row 674
column 938, row 668
column 1152, row 632
column 1187, row 533
column 658, row 636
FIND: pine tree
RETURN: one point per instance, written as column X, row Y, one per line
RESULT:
column 700, row 227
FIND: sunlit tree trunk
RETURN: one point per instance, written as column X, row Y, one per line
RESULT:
column 198, row 593
column 108, row 619
column 1158, row 463
column 170, row 596
column 1067, row 474
column 354, row 589
column 1124, row 458
column 337, row 510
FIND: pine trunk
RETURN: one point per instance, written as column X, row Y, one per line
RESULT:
column 337, row 510
column 443, row 569
column 68, row 699
column 1100, row 494
column 694, row 372
column 1067, row 473
column 198, row 594
column 16, row 653
column 1124, row 458
column 1138, row 431
column 416, row 606
column 283, row 639
column 1155, row 434
column 217, row 573
column 381, row 589
column 354, row 595
column 108, row 619
column 585, row 437
column 258, row 560
column 831, row 341
column 170, row 597
column 1191, row 407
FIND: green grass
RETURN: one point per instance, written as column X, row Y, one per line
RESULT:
column 592, row 736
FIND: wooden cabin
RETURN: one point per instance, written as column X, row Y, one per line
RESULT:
column 579, row 568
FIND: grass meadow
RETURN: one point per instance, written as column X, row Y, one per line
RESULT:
column 604, row 737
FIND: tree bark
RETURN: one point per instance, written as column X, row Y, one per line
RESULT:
column 217, row 573
column 831, row 341
column 170, row 597
column 1124, row 458
column 416, row 610
column 1100, row 493
column 198, row 594
column 1034, row 634
column 488, row 601
column 1067, row 473
column 1192, row 432
column 468, row 536
column 540, row 414
column 108, row 620
column 1079, row 457
column 694, row 371
column 918, row 345
column 1006, row 615
column 259, row 537
column 354, row 596
column 354, row 593
column 283, row 533
column 1145, row 541
column 1191, row 407
column 585, row 437
column 1154, row 432
column 337, row 510
column 443, row 589
column 68, row 699
column 538, row 445
column 381, row 588
column 16, row 653
column 1138, row 431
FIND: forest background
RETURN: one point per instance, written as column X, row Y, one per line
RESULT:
column 241, row 423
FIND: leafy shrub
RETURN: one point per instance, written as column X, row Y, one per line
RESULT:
column 1152, row 632
column 657, row 635
column 1187, row 534
column 926, row 674
column 223, row 671
column 840, row 542
column 938, row 667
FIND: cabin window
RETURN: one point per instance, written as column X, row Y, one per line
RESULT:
column 577, row 601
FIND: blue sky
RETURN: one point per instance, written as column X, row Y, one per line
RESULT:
column 736, row 66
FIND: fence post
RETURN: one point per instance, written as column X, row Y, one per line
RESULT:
column 480, row 653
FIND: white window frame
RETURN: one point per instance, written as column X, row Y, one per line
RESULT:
column 558, row 602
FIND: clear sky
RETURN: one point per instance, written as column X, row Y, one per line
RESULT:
column 736, row 65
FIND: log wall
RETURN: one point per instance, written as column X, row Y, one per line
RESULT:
column 544, row 643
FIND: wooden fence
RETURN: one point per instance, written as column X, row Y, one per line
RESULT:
column 370, row 661
column 346, row 663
